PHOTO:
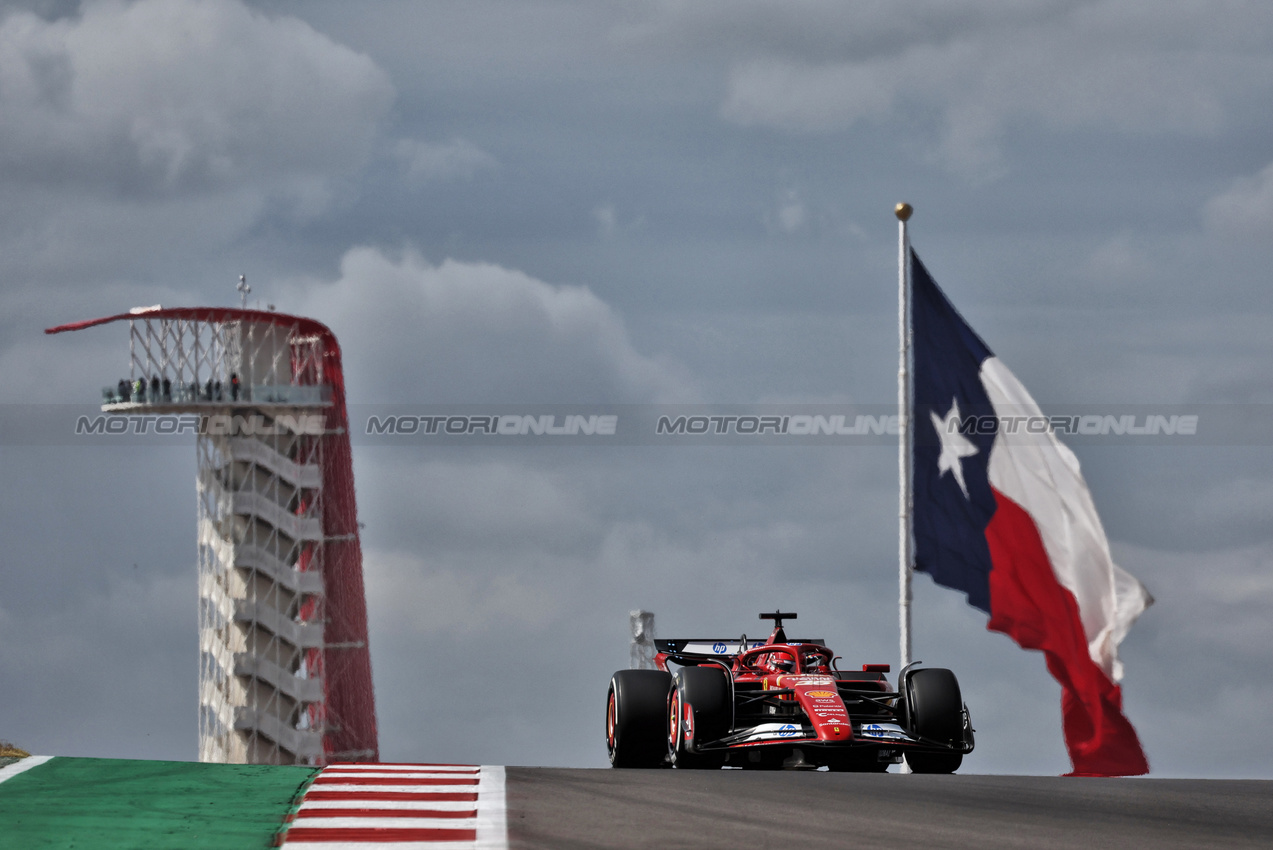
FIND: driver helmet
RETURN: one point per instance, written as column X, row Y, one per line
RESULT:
column 815, row 662
column 781, row 663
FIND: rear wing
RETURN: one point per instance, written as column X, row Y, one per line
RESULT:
column 715, row 647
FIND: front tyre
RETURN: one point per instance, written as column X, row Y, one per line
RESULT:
column 635, row 707
column 698, row 710
column 936, row 711
column 934, row 762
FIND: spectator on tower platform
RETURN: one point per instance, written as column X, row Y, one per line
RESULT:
column 139, row 391
column 217, row 387
column 207, row 390
column 154, row 388
column 234, row 386
column 123, row 390
column 167, row 389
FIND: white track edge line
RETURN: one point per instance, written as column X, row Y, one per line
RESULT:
column 11, row 770
column 492, row 816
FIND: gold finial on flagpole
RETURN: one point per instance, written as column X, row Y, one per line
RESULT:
column 903, row 211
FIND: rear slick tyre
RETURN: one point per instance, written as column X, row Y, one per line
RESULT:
column 636, row 705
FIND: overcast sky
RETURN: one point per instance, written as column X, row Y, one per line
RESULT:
column 639, row 203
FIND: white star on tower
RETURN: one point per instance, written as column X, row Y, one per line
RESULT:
column 954, row 445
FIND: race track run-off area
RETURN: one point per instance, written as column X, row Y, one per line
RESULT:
column 103, row 803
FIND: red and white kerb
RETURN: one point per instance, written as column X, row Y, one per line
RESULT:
column 435, row 806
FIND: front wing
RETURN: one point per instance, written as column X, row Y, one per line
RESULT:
column 882, row 733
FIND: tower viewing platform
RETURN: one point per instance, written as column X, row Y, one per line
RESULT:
column 284, row 666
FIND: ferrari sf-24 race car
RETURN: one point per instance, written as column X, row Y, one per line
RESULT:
column 779, row 704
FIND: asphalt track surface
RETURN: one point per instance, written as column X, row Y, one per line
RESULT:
column 664, row 809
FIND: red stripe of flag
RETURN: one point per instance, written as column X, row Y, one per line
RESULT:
column 1028, row 604
column 385, row 834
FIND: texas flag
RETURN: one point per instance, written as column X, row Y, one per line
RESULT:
column 1001, row 512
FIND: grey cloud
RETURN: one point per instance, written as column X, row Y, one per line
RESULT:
column 98, row 600
column 1119, row 262
column 62, row 238
column 477, row 332
column 164, row 97
column 1238, row 504
column 1245, row 209
column 95, row 659
column 418, row 597
column 424, row 161
column 1211, row 618
column 606, row 219
column 800, row 97
column 791, row 213
column 820, row 30
column 499, row 504
column 1090, row 65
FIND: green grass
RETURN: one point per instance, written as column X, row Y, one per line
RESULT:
column 110, row 803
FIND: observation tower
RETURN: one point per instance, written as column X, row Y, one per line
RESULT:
column 284, row 667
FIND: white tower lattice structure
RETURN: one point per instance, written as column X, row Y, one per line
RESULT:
column 284, row 669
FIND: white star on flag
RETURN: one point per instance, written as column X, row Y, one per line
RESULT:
column 954, row 445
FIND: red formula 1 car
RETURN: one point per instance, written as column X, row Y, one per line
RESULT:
column 782, row 704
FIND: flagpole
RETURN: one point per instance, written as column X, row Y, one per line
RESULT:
column 904, row 436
